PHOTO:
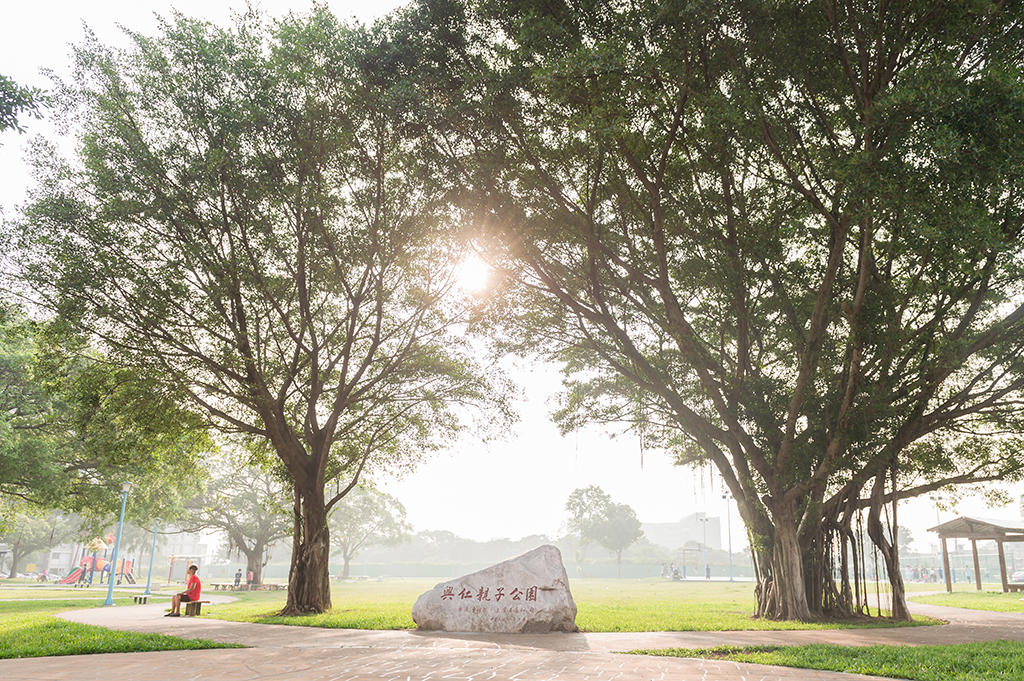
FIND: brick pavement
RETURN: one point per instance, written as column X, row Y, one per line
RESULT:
column 393, row 664
column 286, row 653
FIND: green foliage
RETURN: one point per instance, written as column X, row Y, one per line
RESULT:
column 366, row 517
column 586, row 507
column 31, row 529
column 783, row 239
column 593, row 516
column 29, row 629
column 253, row 217
column 246, row 503
column 75, row 427
column 16, row 101
column 993, row 661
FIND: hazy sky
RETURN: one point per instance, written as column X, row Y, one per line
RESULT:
column 505, row 489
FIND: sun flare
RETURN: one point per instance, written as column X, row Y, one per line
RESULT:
column 473, row 274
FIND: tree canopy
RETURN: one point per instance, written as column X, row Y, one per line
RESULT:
column 594, row 517
column 782, row 239
column 366, row 517
column 17, row 101
column 249, row 505
column 73, row 428
column 31, row 529
column 252, row 218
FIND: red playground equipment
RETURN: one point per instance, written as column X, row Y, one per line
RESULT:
column 125, row 569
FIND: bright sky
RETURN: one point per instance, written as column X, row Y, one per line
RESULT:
column 505, row 489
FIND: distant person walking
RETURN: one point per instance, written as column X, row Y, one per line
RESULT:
column 248, row 578
column 238, row 577
column 193, row 590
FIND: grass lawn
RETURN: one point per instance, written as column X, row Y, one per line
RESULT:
column 603, row 605
column 994, row 661
column 976, row 600
column 29, row 629
column 10, row 594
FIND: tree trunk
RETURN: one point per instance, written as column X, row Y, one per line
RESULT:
column 618, row 562
column 846, row 546
column 309, row 587
column 782, row 592
column 889, row 551
column 254, row 562
column 344, row 569
column 15, row 559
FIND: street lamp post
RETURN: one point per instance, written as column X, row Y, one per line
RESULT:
column 728, row 527
column 117, row 544
column 152, row 552
column 704, row 521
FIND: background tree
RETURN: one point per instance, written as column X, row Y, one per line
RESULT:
column 74, row 427
column 366, row 517
column 31, row 530
column 904, row 538
column 785, row 240
column 621, row 530
column 251, row 218
column 586, row 507
column 248, row 505
column 594, row 517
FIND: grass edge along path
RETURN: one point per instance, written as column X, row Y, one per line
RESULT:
column 991, row 661
column 992, row 601
column 29, row 629
column 603, row 606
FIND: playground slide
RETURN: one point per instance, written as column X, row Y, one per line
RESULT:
column 103, row 566
column 73, row 577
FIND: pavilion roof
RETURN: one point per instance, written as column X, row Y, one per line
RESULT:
column 981, row 528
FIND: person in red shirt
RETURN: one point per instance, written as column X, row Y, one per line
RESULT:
column 193, row 589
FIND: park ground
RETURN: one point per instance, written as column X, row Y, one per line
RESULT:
column 685, row 630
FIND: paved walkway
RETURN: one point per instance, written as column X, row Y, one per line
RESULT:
column 310, row 654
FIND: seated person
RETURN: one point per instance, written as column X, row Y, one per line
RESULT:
column 193, row 589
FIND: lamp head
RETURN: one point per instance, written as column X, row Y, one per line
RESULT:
column 126, row 486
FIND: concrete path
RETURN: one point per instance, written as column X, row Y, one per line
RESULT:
column 310, row 654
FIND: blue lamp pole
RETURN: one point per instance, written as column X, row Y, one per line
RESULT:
column 117, row 544
column 152, row 552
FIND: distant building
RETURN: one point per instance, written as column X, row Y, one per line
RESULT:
column 202, row 547
column 61, row 558
column 689, row 529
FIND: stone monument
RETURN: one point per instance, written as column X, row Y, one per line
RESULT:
column 527, row 594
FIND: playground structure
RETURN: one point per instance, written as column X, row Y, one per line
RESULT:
column 89, row 564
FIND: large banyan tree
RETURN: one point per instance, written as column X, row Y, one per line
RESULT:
column 783, row 238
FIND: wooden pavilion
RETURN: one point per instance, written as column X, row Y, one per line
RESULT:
column 976, row 530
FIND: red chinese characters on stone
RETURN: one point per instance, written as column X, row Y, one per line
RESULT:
column 483, row 593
